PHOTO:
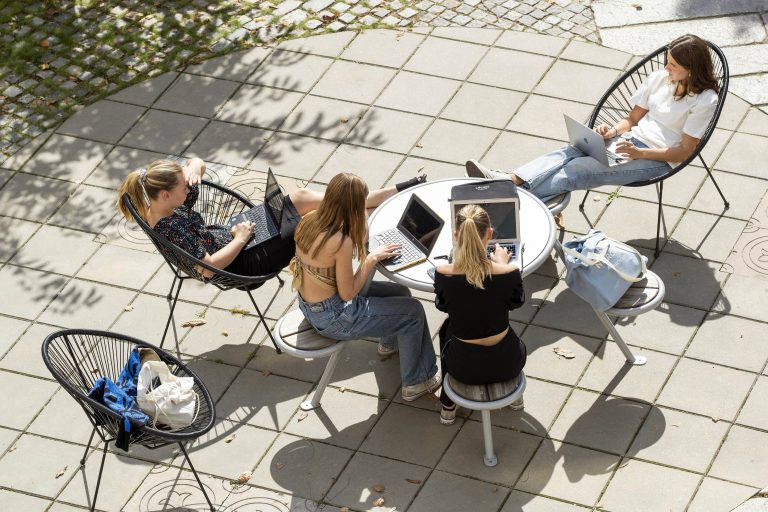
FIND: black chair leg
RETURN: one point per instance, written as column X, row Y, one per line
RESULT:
column 194, row 472
column 172, row 304
column 658, row 220
column 709, row 173
column 581, row 205
column 98, row 480
column 88, row 446
column 264, row 323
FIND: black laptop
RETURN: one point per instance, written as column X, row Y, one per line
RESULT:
column 266, row 216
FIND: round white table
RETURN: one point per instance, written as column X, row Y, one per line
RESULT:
column 537, row 229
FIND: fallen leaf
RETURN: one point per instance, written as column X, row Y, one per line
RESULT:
column 12, row 448
column 193, row 323
column 596, row 198
column 637, row 7
column 231, row 438
column 564, row 353
column 342, row 389
column 344, row 120
column 266, row 373
column 419, row 145
column 244, row 477
column 129, row 307
column 44, row 43
column 344, row 509
column 224, row 333
column 279, row 465
column 675, row 425
column 61, row 471
column 715, row 419
column 44, row 66
column 676, row 274
column 302, row 416
column 379, row 488
column 378, row 502
column 413, row 481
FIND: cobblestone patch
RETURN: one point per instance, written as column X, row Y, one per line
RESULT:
column 64, row 55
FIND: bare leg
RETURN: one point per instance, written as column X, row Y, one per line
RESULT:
column 305, row 200
column 378, row 196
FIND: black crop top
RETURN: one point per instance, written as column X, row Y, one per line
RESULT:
column 478, row 313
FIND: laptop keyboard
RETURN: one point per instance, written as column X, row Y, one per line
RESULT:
column 408, row 252
column 613, row 158
column 259, row 217
column 512, row 248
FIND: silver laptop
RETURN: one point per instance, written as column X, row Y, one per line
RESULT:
column 416, row 232
column 592, row 143
column 504, row 214
column 266, row 217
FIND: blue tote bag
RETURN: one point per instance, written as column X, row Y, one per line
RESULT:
column 600, row 269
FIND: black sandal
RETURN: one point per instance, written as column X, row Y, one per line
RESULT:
column 411, row 182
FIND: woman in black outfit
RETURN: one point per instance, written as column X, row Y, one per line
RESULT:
column 477, row 344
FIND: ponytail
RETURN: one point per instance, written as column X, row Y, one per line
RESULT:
column 470, row 256
column 143, row 185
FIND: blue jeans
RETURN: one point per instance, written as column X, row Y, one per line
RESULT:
column 569, row 168
column 388, row 312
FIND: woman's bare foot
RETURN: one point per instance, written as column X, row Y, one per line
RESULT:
column 560, row 220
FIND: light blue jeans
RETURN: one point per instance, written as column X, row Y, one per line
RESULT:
column 388, row 312
column 569, row 168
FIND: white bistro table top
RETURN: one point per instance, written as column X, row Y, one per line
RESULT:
column 537, row 228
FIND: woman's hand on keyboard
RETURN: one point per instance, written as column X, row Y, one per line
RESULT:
column 628, row 150
column 243, row 231
column 500, row 255
column 383, row 252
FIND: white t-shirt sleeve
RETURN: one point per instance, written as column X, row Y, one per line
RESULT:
column 649, row 85
column 701, row 114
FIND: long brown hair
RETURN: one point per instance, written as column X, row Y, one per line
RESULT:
column 692, row 52
column 144, row 184
column 470, row 257
column 342, row 210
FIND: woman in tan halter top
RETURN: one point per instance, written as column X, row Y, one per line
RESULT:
column 327, row 242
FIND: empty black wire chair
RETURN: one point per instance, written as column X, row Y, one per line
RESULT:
column 79, row 357
column 216, row 204
column 615, row 106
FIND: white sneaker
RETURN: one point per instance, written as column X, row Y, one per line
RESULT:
column 476, row 170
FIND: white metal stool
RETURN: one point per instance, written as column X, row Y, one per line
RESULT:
column 485, row 398
column 296, row 336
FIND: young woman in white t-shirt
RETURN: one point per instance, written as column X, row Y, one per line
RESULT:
column 672, row 109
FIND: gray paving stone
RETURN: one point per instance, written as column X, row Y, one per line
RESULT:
column 88, row 209
column 576, row 81
column 67, row 158
column 744, row 194
column 451, row 492
column 529, row 116
column 445, row 58
column 323, row 117
column 543, row 402
column 354, row 487
column 733, row 112
column 742, row 458
column 482, row 105
column 120, row 266
column 742, row 296
column 350, row 81
column 612, row 14
column 104, row 121
column 643, row 39
column 453, row 142
column 20, row 410
column 232, row 66
column 373, row 166
column 710, row 236
column 756, row 123
column 164, row 132
column 705, row 388
column 746, row 59
column 416, row 93
column 581, row 51
column 532, row 503
column 296, row 155
column 510, row 69
column 290, row 70
column 328, row 45
column 32, row 290
column 82, row 303
column 470, row 35
column 38, row 254
column 382, row 47
column 395, row 131
column 20, row 501
column 265, row 107
column 542, row 361
column 716, row 494
column 641, row 232
column 170, row 487
column 639, row 484
column 24, row 356
column 113, row 169
column 15, row 233
column 568, row 472
column 300, row 466
column 411, row 166
column 228, row 143
column 146, row 92
column 751, row 88
column 753, row 413
column 196, row 95
column 680, row 323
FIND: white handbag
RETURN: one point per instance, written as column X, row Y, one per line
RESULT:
column 169, row 400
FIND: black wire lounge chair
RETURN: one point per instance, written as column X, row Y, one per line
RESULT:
column 78, row 357
column 216, row 204
column 614, row 106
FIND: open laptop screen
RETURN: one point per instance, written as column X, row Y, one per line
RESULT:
column 503, row 218
column 273, row 198
column 421, row 223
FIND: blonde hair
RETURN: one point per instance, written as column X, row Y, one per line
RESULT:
column 470, row 257
column 142, row 185
column 342, row 210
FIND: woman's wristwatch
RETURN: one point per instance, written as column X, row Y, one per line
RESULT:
column 615, row 131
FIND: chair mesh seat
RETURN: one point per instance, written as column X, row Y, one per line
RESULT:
column 484, row 392
column 297, row 332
